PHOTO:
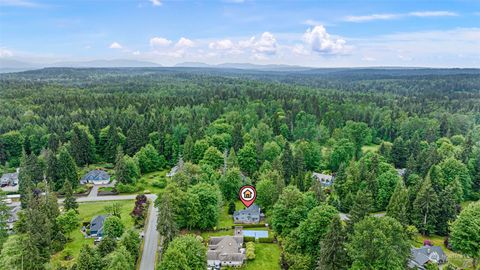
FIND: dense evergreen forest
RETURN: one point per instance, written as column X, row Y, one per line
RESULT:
column 272, row 129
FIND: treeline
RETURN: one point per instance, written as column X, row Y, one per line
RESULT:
column 231, row 131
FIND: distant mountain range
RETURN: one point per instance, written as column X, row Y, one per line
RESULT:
column 10, row 65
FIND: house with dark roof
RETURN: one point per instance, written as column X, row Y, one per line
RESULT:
column 13, row 216
column 96, row 177
column 9, row 179
column 425, row 255
column 326, row 180
column 96, row 226
column 226, row 250
column 251, row 215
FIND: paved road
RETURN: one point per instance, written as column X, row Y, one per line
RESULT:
column 150, row 245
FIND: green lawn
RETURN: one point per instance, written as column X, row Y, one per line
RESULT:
column 145, row 183
column 454, row 258
column 267, row 257
column 370, row 148
column 225, row 220
column 87, row 211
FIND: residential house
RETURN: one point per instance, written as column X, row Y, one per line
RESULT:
column 96, row 226
column 425, row 255
column 326, row 180
column 96, row 177
column 226, row 250
column 177, row 168
column 13, row 217
column 251, row 215
column 9, row 179
column 401, row 172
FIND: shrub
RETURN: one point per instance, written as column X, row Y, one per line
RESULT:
column 126, row 188
column 231, row 207
column 266, row 240
column 248, row 239
column 250, row 252
column 160, row 183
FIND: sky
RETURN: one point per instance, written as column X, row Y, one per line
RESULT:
column 342, row 33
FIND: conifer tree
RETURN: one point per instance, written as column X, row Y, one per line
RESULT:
column 398, row 206
column 67, row 170
column 70, row 202
column 288, row 163
column 237, row 137
column 362, row 206
column 447, row 209
column 333, row 254
column 113, row 142
column 188, row 149
column 425, row 208
column 88, row 259
column 166, row 224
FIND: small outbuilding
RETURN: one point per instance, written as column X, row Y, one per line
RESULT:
column 96, row 177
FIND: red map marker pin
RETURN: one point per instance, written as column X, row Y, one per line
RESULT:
column 247, row 195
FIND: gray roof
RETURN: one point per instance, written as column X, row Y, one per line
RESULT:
column 14, row 214
column 401, row 172
column 421, row 256
column 96, row 175
column 254, row 209
column 96, row 224
column 226, row 248
column 325, row 179
column 9, row 178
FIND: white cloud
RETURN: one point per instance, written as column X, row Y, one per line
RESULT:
column 136, row 53
column 156, row 2
column 371, row 17
column 5, row 53
column 321, row 42
column 392, row 16
column 432, row 14
column 267, row 44
column 184, row 43
column 115, row 45
column 19, row 3
column 224, row 44
column 159, row 42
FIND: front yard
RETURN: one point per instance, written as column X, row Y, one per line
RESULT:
column 86, row 212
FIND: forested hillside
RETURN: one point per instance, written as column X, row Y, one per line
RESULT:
column 275, row 129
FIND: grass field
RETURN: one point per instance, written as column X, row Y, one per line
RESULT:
column 267, row 257
column 454, row 258
column 87, row 211
column 225, row 220
column 370, row 148
column 145, row 183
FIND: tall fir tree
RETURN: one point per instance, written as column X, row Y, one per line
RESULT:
column 188, row 149
column 333, row 254
column 425, row 208
column 67, row 169
column 70, row 202
column 362, row 206
column 112, row 144
column 166, row 224
column 398, row 206
column 288, row 163
column 447, row 209
column 81, row 147
column 237, row 137
column 136, row 138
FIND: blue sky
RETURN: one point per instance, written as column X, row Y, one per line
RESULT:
column 311, row 33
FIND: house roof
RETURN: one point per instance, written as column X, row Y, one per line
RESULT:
column 96, row 224
column 225, row 248
column 401, row 172
column 254, row 209
column 9, row 177
column 96, row 175
column 325, row 179
column 420, row 256
column 14, row 214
